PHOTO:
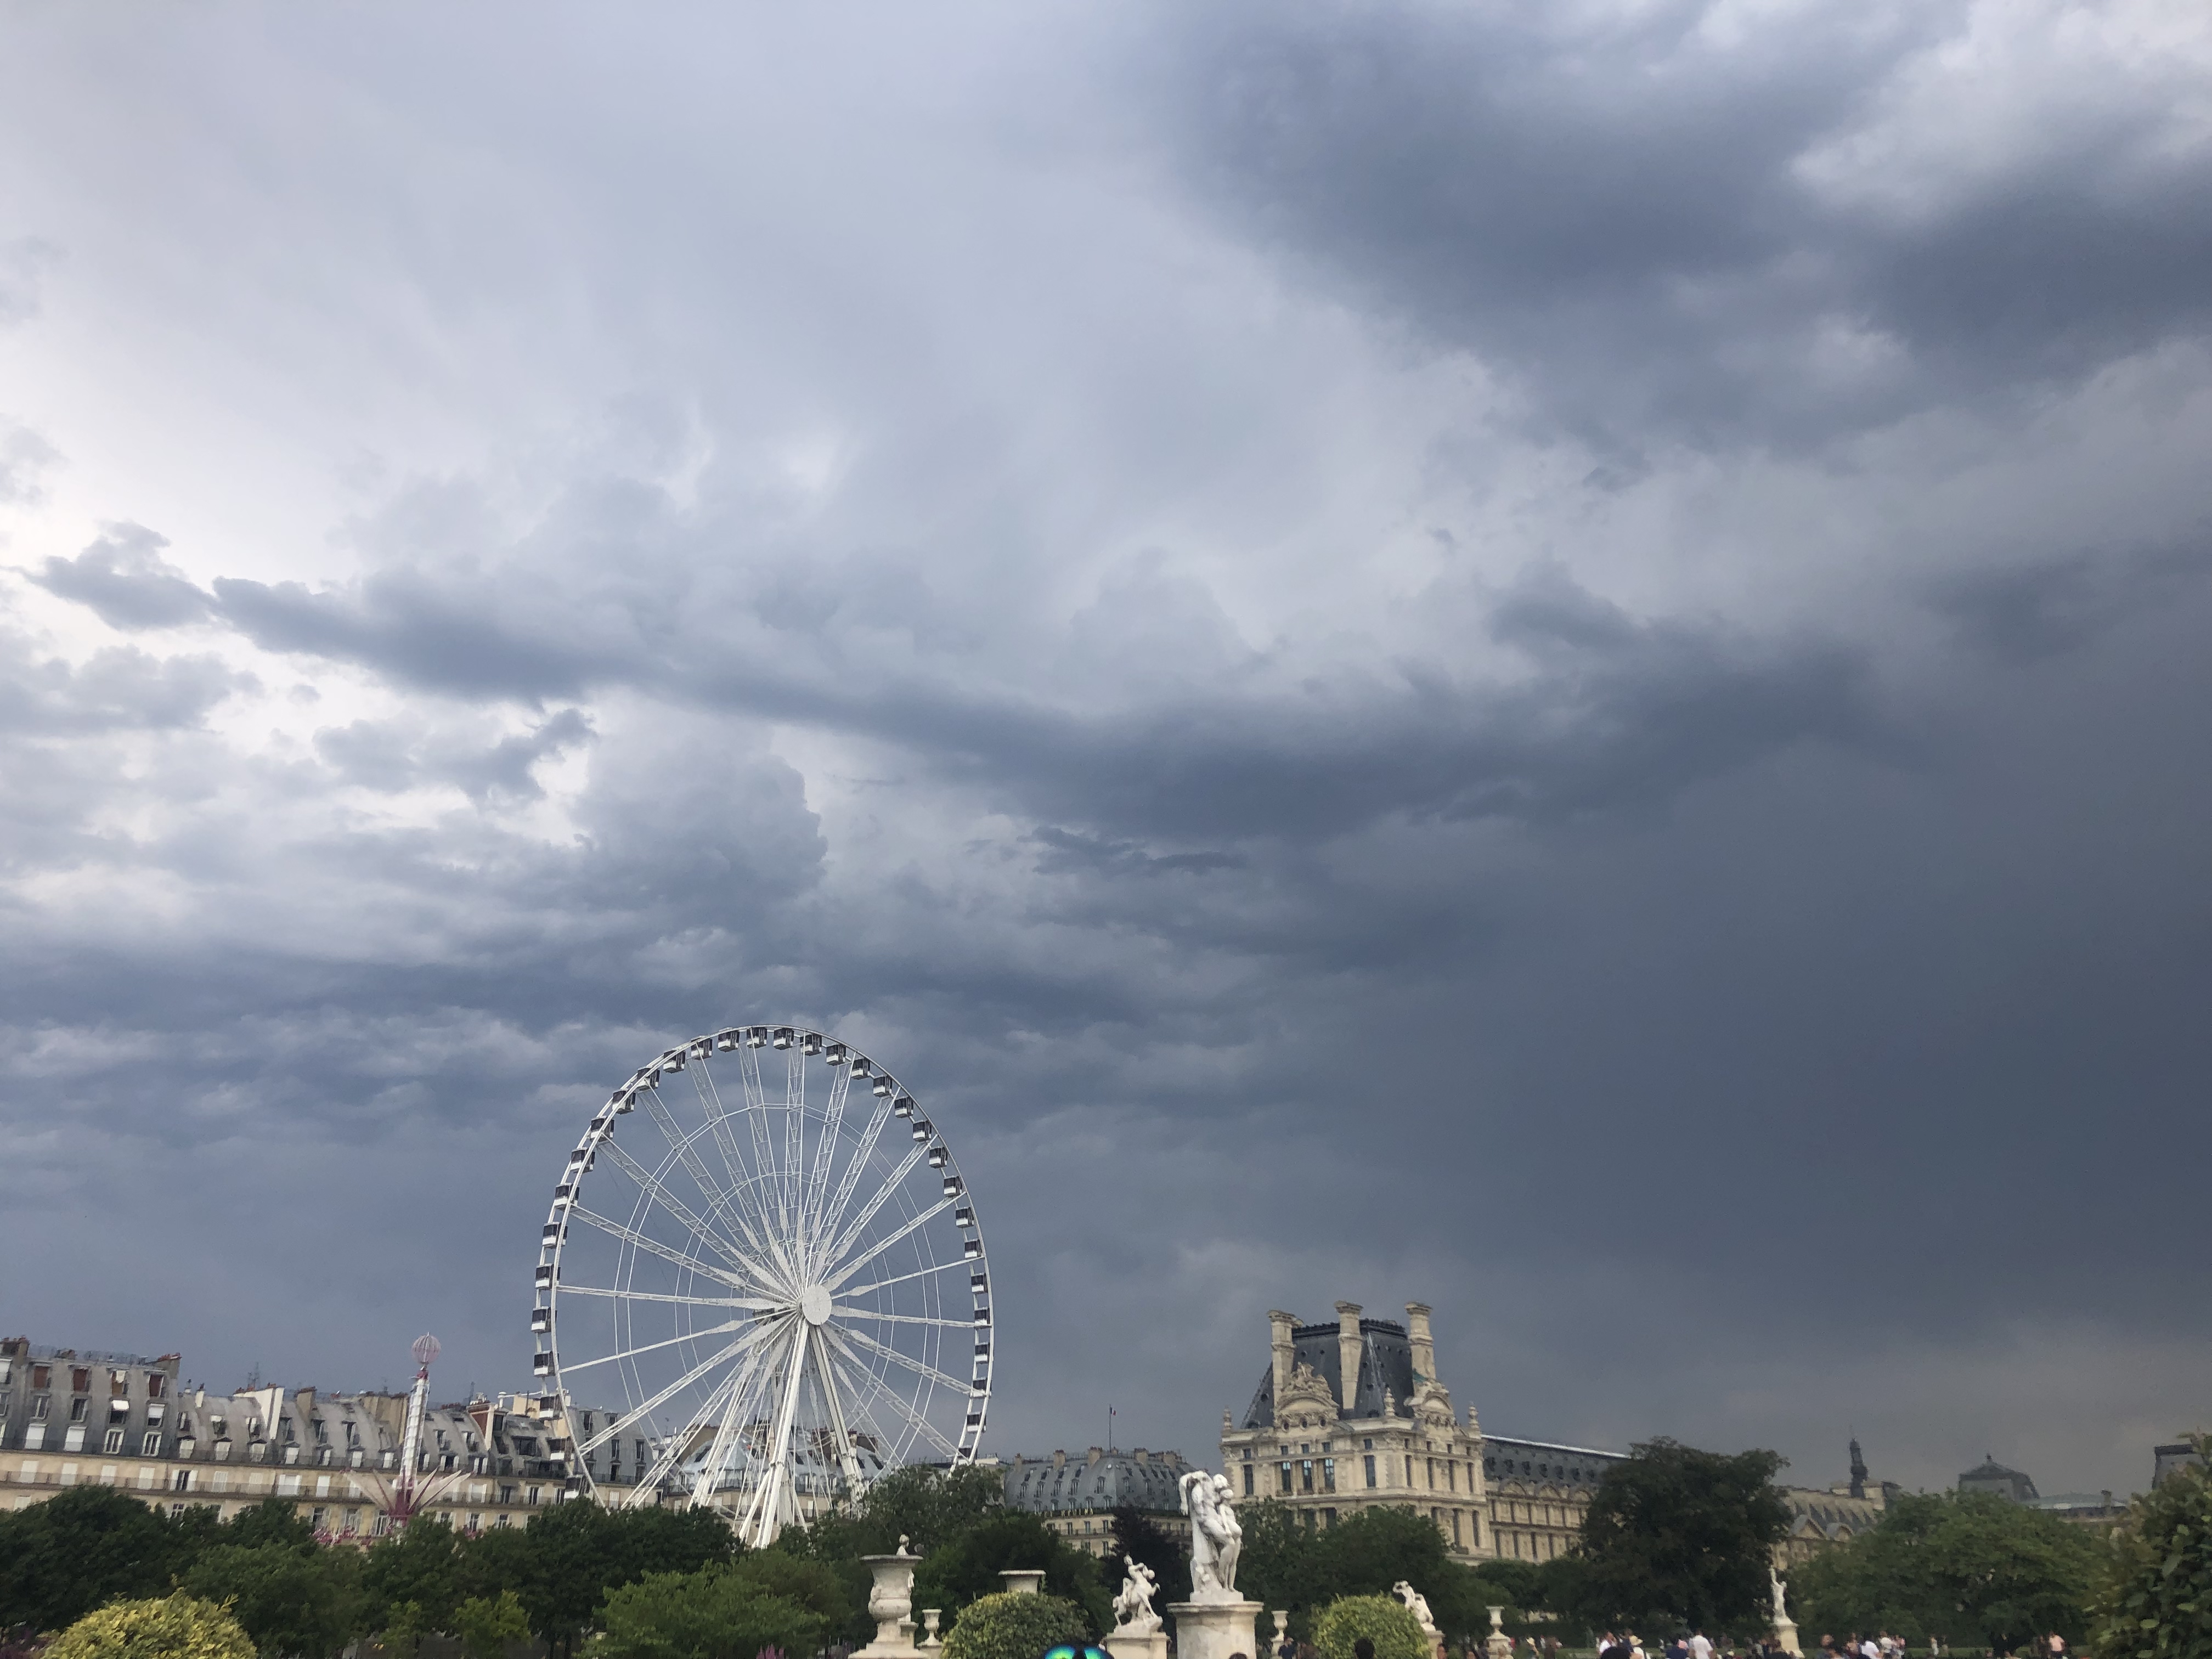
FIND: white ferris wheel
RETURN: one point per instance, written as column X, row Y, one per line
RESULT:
column 762, row 1268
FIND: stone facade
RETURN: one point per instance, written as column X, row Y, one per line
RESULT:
column 1351, row 1415
column 1539, row 1492
column 127, row 1421
column 1077, row 1495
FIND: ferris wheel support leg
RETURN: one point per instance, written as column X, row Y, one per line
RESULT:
column 772, row 1494
column 847, row 1455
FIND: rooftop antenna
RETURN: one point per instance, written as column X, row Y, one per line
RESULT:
column 410, row 1447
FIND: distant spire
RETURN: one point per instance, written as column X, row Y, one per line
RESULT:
column 1858, row 1470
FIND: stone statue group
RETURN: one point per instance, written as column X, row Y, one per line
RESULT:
column 1216, row 1541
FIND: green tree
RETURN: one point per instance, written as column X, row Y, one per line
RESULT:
column 417, row 1567
column 1007, row 1626
column 2154, row 1600
column 717, row 1613
column 272, row 1521
column 562, row 1564
column 965, row 1567
column 177, row 1626
column 80, row 1549
column 1679, row 1537
column 1970, row 1567
column 1280, row 1566
column 1381, row 1620
column 296, row 1602
column 488, row 1626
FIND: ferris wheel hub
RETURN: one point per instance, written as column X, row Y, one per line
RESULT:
column 815, row 1304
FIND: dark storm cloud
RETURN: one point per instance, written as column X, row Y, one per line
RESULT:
column 1729, row 932
column 1635, row 214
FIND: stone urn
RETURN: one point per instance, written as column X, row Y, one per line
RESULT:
column 1499, row 1645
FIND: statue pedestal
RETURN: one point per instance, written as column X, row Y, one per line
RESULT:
column 1215, row 1630
column 1785, row 1635
column 1153, row 1644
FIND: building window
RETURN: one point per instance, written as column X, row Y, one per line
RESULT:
column 1367, row 1445
column 154, row 1382
column 151, row 1446
column 114, row 1441
column 1328, row 1474
column 80, row 1379
column 1328, row 1517
column 1248, row 1454
column 317, row 1516
column 1409, row 1471
column 183, row 1481
column 1432, row 1475
column 1451, row 1474
column 77, row 1409
column 352, row 1523
column 40, row 1404
column 41, row 1375
column 1455, row 1538
column 1369, row 1461
column 1247, row 1473
column 1283, row 1473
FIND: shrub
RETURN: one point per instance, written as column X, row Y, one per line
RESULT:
column 175, row 1627
column 1383, row 1619
column 2155, row 1601
column 1008, row 1626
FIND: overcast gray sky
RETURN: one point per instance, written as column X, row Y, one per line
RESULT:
column 1552, row 658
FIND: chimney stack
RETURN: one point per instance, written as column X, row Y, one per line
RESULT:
column 1424, row 1344
column 1347, row 1355
column 1278, row 1342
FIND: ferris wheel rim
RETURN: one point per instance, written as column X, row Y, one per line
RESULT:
column 762, row 1295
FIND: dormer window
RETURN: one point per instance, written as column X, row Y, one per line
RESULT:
column 322, row 1431
column 288, row 1432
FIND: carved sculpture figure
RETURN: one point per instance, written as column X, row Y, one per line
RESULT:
column 1416, row 1603
column 1133, row 1608
column 1216, row 1539
column 1781, row 1611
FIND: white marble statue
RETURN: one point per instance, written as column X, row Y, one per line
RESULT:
column 1133, row 1608
column 1216, row 1539
column 1781, row 1610
column 1416, row 1603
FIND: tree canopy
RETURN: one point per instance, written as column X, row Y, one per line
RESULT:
column 2154, row 1600
column 1677, row 1538
column 1969, row 1567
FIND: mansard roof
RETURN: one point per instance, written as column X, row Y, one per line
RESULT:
column 1386, row 1362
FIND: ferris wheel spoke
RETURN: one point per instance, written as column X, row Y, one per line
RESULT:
column 833, row 1217
column 859, row 1225
column 717, row 1120
column 883, row 1243
column 719, row 1400
column 684, row 1213
column 875, row 1384
column 825, row 1151
column 844, row 1312
column 693, row 1164
column 652, row 1246
column 643, row 1413
column 722, row 1329
column 757, row 1119
column 751, row 1303
column 733, row 1417
column 919, row 1273
column 794, row 1143
column 863, row 1340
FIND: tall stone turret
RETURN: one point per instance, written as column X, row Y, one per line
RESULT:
column 1279, row 1340
column 1347, row 1355
column 1423, row 1343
